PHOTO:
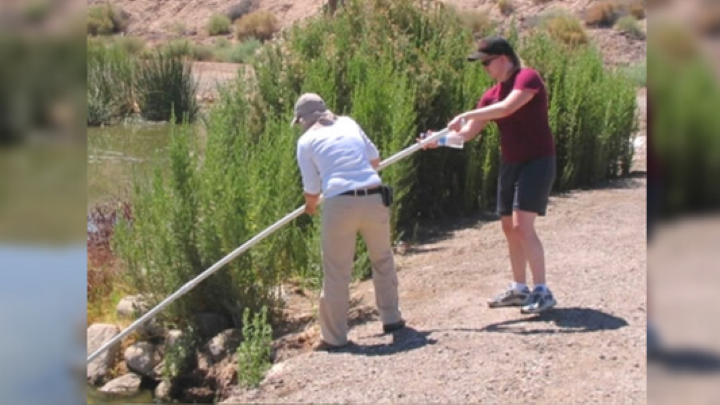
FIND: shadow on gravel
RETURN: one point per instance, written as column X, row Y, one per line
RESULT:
column 566, row 320
column 694, row 361
column 404, row 340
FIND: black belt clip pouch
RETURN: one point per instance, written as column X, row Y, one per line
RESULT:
column 387, row 195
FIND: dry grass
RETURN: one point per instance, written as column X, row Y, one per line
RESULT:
column 604, row 13
column 630, row 25
column 106, row 19
column 564, row 27
column 477, row 21
column 637, row 8
column 260, row 24
column 506, row 6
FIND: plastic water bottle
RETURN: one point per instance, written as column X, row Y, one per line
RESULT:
column 451, row 141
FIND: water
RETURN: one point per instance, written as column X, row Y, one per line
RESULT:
column 116, row 152
column 42, row 324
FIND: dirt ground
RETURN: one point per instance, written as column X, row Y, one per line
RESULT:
column 590, row 349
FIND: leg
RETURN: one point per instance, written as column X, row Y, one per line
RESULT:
column 523, row 229
column 531, row 200
column 515, row 295
column 518, row 261
column 338, row 249
column 375, row 230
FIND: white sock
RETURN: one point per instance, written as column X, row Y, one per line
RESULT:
column 542, row 286
column 519, row 286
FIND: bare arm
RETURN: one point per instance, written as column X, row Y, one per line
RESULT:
column 505, row 108
column 311, row 201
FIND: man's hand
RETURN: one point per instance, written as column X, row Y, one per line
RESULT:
column 311, row 201
column 429, row 145
column 457, row 123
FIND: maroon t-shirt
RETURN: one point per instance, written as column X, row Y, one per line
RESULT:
column 526, row 134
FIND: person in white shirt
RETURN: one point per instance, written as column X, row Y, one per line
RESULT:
column 337, row 159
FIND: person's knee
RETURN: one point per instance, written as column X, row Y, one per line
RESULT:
column 507, row 227
column 523, row 231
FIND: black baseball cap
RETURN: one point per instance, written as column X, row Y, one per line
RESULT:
column 493, row 46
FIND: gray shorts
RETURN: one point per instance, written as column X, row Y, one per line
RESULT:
column 525, row 186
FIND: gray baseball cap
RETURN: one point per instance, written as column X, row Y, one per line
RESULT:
column 308, row 104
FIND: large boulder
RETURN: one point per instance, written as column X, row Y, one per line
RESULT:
column 143, row 358
column 97, row 335
column 127, row 385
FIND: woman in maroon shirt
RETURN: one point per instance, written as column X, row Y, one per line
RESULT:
column 518, row 104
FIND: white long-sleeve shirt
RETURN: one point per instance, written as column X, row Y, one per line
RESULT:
column 335, row 159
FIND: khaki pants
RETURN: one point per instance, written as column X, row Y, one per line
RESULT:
column 343, row 217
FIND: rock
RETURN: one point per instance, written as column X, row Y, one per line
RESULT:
column 163, row 390
column 132, row 307
column 172, row 338
column 151, row 329
column 98, row 335
column 128, row 384
column 277, row 370
column 224, row 343
column 158, row 370
column 142, row 358
column 209, row 325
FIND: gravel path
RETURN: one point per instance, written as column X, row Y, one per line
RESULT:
column 590, row 349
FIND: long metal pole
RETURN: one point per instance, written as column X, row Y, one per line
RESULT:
column 245, row 246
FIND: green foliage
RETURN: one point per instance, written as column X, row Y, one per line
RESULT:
column 165, row 83
column 218, row 24
column 630, row 25
column 254, row 353
column 105, row 19
column 398, row 68
column 110, row 73
column 685, row 96
column 180, row 356
column 240, row 53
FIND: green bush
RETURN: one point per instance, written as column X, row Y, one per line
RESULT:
column 685, row 95
column 132, row 45
column 218, row 25
column 255, row 351
column 240, row 53
column 110, row 78
column 636, row 73
column 105, row 19
column 629, row 25
column 259, row 24
column 165, row 84
column 398, row 68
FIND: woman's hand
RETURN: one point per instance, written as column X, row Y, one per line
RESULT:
column 429, row 145
column 457, row 123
